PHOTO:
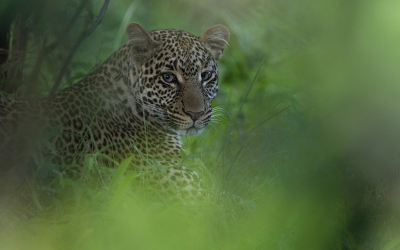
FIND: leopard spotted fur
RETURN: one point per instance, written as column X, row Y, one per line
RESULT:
column 155, row 88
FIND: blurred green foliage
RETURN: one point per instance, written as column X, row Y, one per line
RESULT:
column 303, row 152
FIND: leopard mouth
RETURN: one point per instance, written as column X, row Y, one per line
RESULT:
column 185, row 126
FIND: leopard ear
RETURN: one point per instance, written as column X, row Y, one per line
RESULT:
column 216, row 38
column 141, row 44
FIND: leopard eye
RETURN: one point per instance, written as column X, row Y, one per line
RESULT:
column 169, row 78
column 205, row 76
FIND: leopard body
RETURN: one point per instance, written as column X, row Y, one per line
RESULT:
column 155, row 88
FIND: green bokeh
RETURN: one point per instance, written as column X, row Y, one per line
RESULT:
column 304, row 154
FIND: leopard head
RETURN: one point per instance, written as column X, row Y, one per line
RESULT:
column 176, row 75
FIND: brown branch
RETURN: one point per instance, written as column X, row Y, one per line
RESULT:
column 7, row 16
column 49, row 48
column 18, row 53
column 83, row 36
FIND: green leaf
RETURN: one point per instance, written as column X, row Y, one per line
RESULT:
column 121, row 190
column 120, row 172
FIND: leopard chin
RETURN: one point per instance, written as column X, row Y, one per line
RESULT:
column 190, row 131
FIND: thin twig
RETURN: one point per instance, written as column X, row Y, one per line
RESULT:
column 242, row 104
column 49, row 48
column 83, row 36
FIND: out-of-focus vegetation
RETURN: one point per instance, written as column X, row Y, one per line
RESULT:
column 303, row 152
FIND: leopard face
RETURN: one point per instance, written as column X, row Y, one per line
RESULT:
column 179, row 80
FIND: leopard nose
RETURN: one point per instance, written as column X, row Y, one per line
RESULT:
column 194, row 115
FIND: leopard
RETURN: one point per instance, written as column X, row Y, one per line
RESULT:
column 158, row 87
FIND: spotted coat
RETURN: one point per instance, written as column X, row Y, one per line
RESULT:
column 155, row 88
